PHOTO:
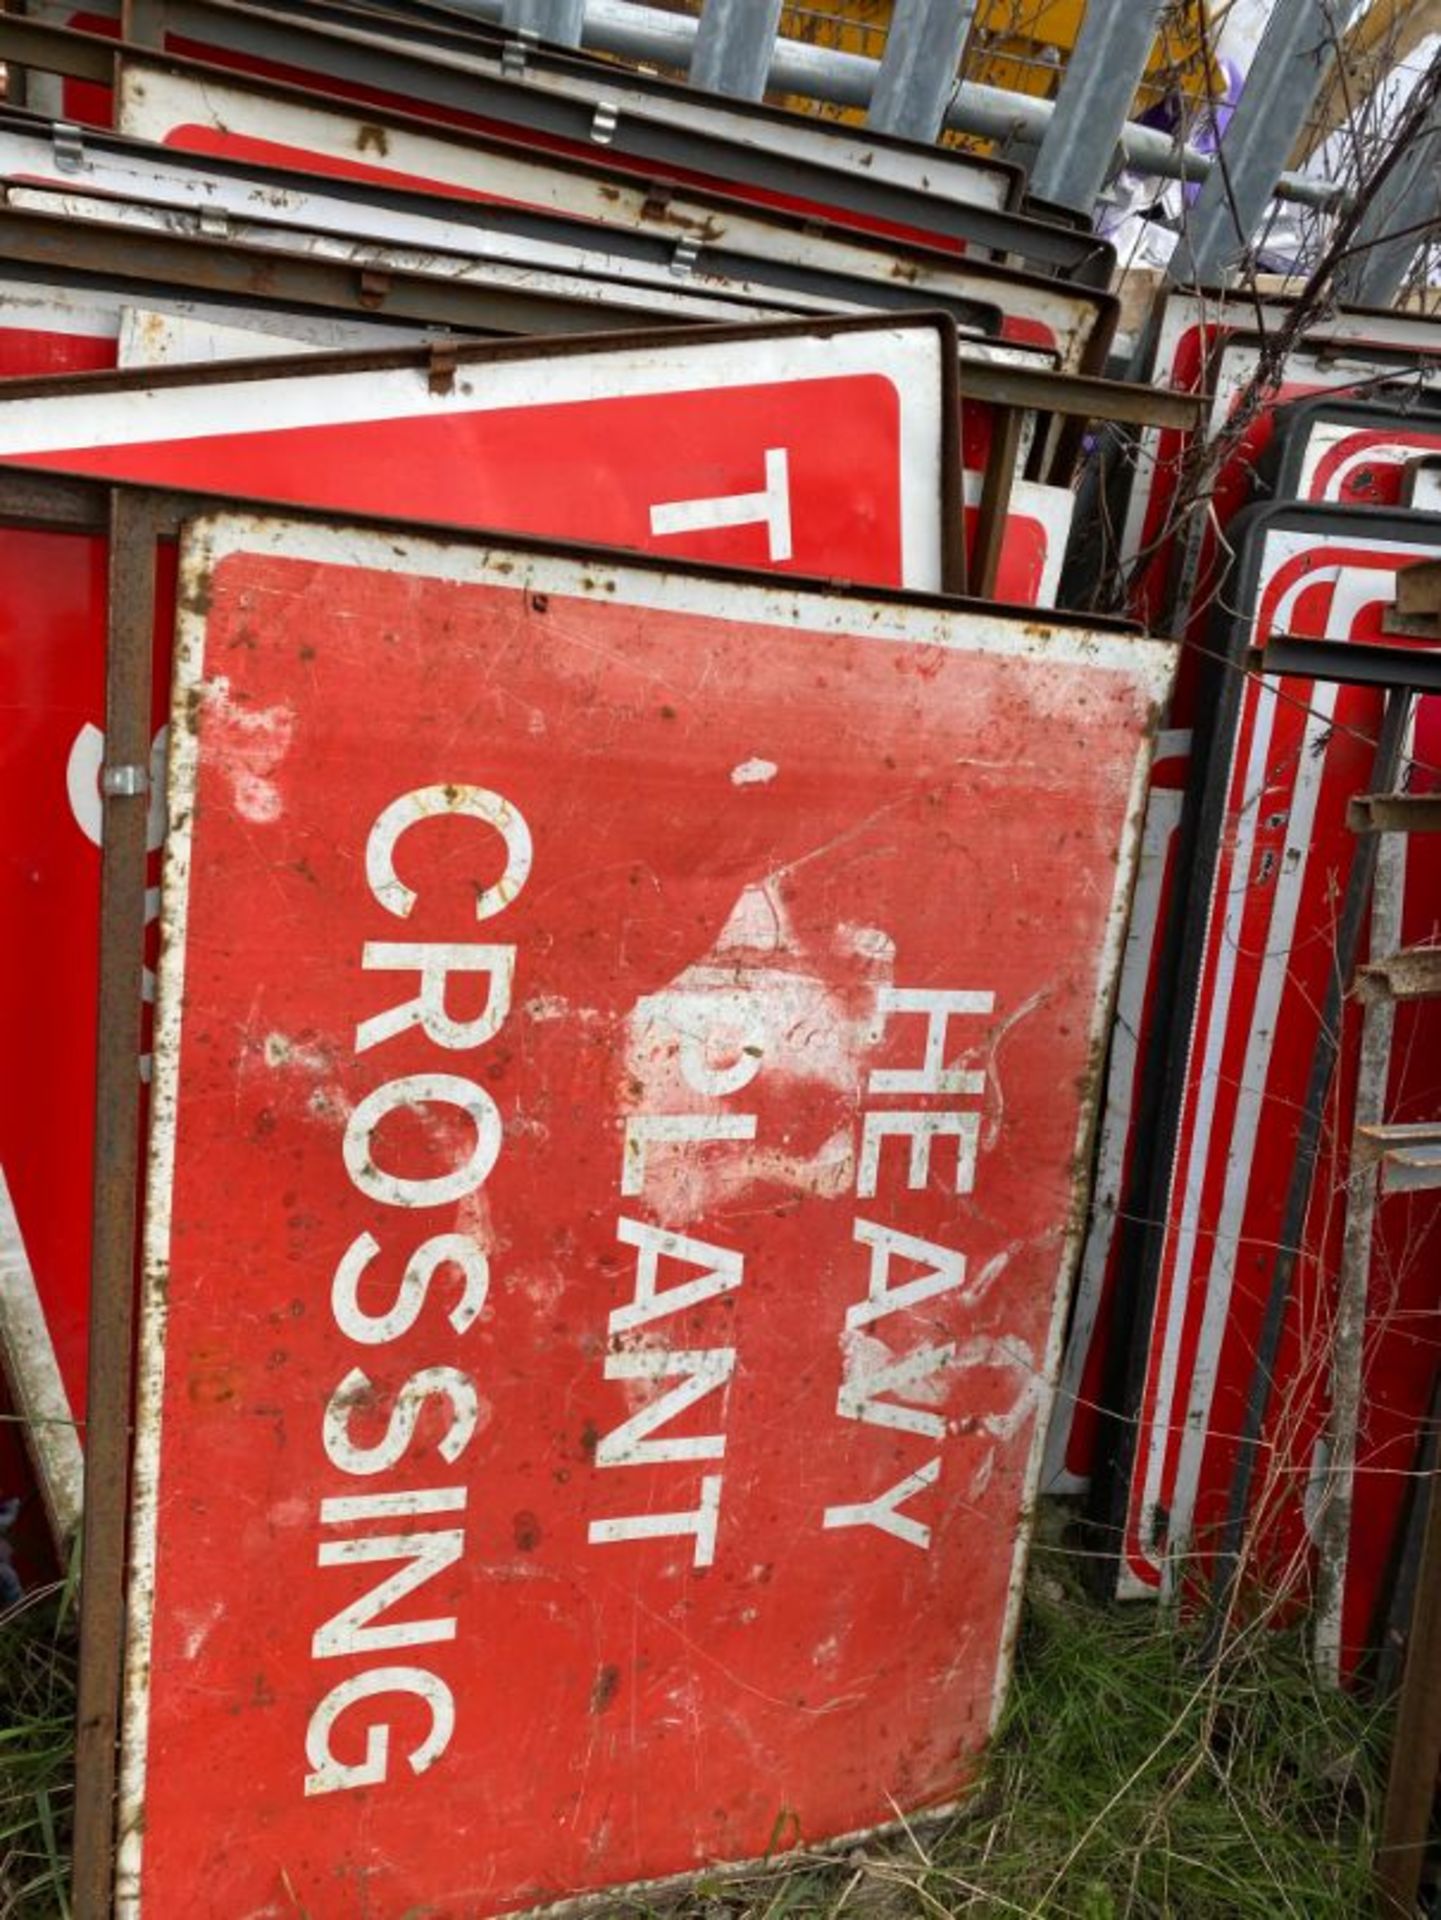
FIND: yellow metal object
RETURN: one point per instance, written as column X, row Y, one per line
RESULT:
column 1022, row 45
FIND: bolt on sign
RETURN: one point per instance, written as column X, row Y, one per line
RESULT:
column 624, row 1062
column 830, row 450
column 825, row 447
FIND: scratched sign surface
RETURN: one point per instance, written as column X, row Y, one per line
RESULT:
column 625, row 1044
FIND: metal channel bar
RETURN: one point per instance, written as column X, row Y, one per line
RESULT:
column 1392, row 228
column 1336, row 1506
column 920, row 66
column 1371, row 665
column 638, row 32
column 733, row 47
column 1284, row 79
column 270, row 277
column 1395, row 813
column 125, row 802
column 1094, row 98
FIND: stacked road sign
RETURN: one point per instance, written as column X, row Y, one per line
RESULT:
column 674, row 1036
column 1189, row 1379
column 571, row 851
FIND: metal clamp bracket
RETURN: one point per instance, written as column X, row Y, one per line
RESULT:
column 374, row 286
column 124, row 782
column 604, row 123
column 516, row 51
column 67, row 143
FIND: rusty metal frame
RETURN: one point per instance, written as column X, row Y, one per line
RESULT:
column 652, row 256
column 697, row 228
column 335, row 42
column 124, row 801
column 136, row 519
column 1057, row 247
column 996, row 487
column 694, row 301
column 70, row 250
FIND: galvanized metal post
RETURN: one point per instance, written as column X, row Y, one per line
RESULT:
column 1285, row 77
column 733, row 46
column 1094, row 101
column 559, row 21
column 919, row 68
column 638, row 32
column 1405, row 207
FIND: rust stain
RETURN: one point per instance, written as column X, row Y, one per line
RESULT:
column 607, row 1686
column 525, row 1529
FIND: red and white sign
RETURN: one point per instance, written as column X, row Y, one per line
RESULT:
column 1363, row 466
column 45, row 330
column 1186, row 330
column 592, row 1381
column 830, row 455
column 153, row 339
column 1074, row 1432
column 822, row 452
column 1298, row 752
column 309, row 134
column 1033, row 540
column 52, row 686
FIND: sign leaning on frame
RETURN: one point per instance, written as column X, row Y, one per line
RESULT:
column 624, row 1040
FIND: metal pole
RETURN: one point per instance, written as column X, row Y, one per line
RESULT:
column 733, row 46
column 637, row 32
column 118, row 1151
column 559, row 21
column 1095, row 96
column 1348, row 1338
column 1285, row 77
column 919, row 66
column 1395, row 224
column 1416, row 1744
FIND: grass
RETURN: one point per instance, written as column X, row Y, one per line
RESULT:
column 1128, row 1782
column 37, row 1748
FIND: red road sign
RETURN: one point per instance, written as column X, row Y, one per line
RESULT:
column 1289, row 765
column 1073, row 1435
column 780, row 448
column 1186, row 331
column 822, row 449
column 591, row 1380
column 77, row 329
column 1033, row 539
